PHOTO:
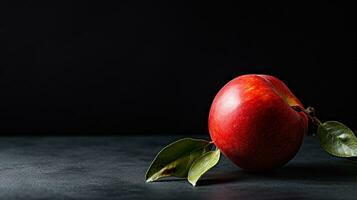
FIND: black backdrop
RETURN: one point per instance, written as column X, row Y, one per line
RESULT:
column 154, row 67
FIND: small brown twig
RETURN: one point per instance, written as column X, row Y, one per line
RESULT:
column 310, row 112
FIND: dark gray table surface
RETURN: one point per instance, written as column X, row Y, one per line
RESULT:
column 114, row 168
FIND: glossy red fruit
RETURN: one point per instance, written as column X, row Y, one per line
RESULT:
column 253, row 124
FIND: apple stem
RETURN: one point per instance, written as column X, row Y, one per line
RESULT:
column 310, row 112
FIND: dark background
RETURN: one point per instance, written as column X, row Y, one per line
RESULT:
column 154, row 67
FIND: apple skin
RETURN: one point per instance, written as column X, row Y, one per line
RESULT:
column 251, row 121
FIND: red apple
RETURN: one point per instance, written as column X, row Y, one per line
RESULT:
column 252, row 122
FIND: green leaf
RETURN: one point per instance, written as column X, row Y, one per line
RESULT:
column 202, row 165
column 176, row 158
column 337, row 139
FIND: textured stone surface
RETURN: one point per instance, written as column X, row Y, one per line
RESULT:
column 114, row 168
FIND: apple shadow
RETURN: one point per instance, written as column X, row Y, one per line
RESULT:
column 225, row 177
column 171, row 179
column 322, row 172
column 344, row 171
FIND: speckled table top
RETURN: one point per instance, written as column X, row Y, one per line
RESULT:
column 114, row 167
